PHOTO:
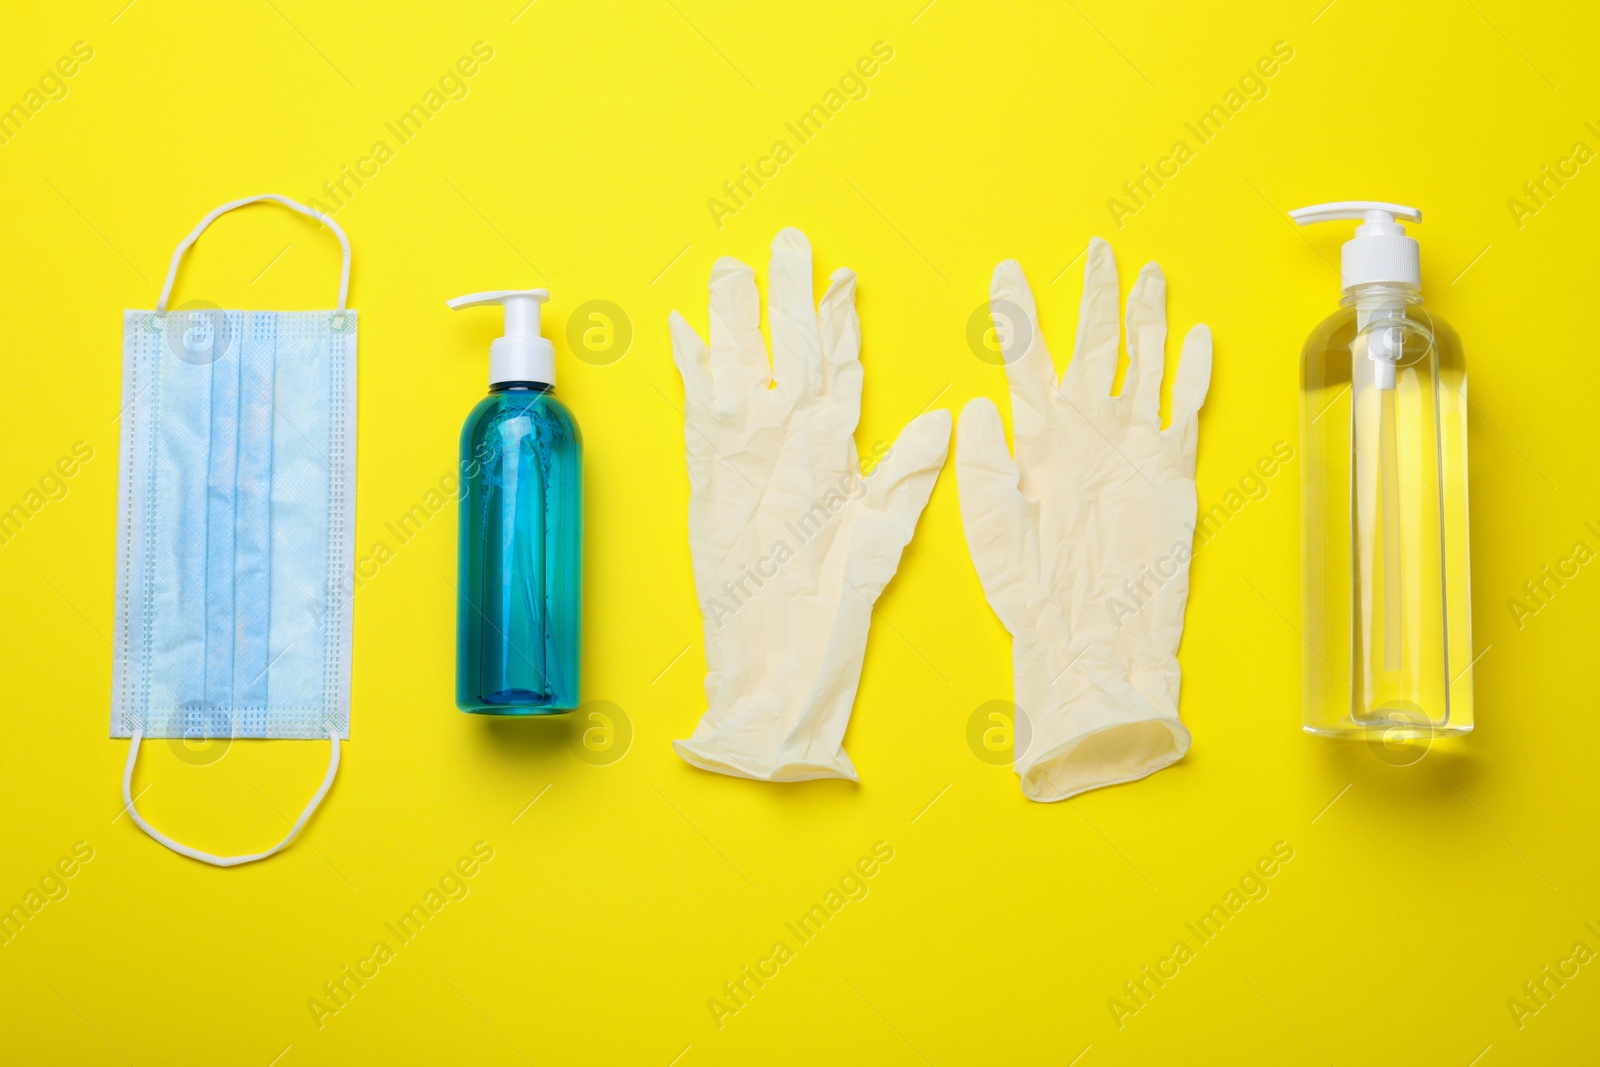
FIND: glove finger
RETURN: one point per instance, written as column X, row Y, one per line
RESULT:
column 1094, row 359
column 1193, row 379
column 738, row 354
column 1029, row 369
column 896, row 492
column 1147, row 344
column 995, row 516
column 792, row 314
column 840, row 329
column 693, row 358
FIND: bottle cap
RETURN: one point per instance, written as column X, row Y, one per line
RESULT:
column 522, row 355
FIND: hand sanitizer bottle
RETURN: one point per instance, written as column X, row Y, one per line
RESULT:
column 519, row 591
column 1385, row 584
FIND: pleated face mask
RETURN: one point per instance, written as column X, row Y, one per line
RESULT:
column 235, row 532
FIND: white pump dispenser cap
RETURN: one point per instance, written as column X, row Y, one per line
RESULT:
column 1380, row 251
column 522, row 355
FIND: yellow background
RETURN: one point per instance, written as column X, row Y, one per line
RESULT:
column 615, row 907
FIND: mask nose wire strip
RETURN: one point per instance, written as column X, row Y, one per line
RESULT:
column 206, row 857
column 293, row 205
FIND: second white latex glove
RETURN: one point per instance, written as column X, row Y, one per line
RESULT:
column 791, row 543
column 1082, row 543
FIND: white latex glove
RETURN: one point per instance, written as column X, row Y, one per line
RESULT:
column 791, row 544
column 1083, row 543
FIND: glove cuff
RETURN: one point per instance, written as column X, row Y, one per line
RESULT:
column 786, row 724
column 713, row 753
column 1089, row 724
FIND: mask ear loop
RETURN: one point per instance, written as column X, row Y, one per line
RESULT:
column 293, row 205
column 207, row 857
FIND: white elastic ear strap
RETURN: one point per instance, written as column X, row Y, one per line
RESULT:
column 206, row 857
column 295, row 205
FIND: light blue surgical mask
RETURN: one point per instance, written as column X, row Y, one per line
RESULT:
column 235, row 534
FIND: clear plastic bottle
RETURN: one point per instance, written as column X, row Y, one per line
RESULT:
column 1386, row 589
column 521, row 549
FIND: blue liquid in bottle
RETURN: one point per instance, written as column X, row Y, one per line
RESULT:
column 521, row 552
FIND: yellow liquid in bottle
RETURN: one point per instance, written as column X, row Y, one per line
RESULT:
column 1386, row 592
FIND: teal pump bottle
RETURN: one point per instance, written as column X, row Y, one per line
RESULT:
column 521, row 549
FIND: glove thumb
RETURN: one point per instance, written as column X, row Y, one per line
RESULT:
column 997, row 519
column 896, row 492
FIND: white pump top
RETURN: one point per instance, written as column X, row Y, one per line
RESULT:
column 522, row 355
column 1381, row 251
